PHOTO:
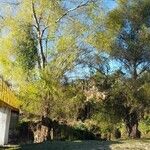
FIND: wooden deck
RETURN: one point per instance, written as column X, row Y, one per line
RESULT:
column 7, row 97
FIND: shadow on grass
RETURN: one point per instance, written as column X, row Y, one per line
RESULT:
column 70, row 145
column 83, row 145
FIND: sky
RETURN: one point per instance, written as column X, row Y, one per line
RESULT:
column 69, row 4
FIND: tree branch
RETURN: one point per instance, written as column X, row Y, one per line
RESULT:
column 44, row 31
column 1, row 17
column 73, row 9
column 35, row 17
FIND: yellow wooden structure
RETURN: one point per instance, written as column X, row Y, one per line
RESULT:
column 7, row 97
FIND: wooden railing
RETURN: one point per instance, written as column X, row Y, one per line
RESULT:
column 7, row 97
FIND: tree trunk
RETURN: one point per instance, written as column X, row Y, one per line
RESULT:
column 132, row 125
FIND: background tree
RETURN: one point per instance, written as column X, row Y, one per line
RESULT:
column 125, row 37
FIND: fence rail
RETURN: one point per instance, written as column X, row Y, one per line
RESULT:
column 7, row 97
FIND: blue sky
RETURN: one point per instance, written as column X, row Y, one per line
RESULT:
column 70, row 4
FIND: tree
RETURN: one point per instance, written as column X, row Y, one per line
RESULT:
column 37, row 51
column 126, row 37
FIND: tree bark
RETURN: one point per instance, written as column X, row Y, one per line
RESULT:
column 40, row 33
column 132, row 125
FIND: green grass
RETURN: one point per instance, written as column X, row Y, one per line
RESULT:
column 143, row 144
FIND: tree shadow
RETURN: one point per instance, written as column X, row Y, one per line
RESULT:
column 71, row 145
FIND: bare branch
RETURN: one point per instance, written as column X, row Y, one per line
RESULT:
column 1, row 17
column 35, row 17
column 73, row 9
column 44, row 31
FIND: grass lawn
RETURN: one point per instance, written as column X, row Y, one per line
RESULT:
column 143, row 144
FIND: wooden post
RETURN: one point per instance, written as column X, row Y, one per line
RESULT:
column 52, row 134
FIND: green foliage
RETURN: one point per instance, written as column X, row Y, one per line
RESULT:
column 28, row 58
column 144, row 126
column 27, row 52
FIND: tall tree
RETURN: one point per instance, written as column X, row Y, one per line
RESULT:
column 125, row 37
column 38, row 48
